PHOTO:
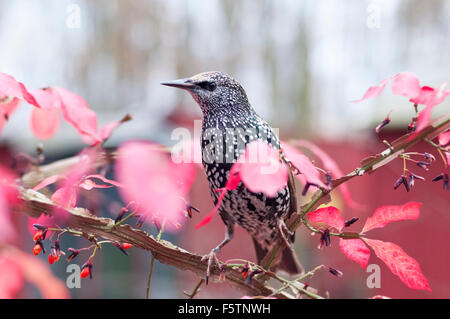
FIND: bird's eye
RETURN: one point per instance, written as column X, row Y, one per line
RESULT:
column 210, row 86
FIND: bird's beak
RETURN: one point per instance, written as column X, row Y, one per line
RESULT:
column 185, row 84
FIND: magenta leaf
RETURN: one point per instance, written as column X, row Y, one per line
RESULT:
column 374, row 91
column 309, row 172
column 148, row 175
column 261, row 169
column 7, row 107
column 44, row 122
column 10, row 87
column 330, row 165
column 406, row 84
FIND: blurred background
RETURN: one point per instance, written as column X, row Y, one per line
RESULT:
column 300, row 62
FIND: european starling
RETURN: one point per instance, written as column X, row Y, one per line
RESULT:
column 229, row 124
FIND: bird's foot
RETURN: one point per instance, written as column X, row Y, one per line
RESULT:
column 212, row 256
column 283, row 229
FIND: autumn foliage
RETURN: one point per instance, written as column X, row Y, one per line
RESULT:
column 154, row 185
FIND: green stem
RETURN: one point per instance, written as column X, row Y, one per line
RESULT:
column 387, row 156
column 152, row 262
column 124, row 220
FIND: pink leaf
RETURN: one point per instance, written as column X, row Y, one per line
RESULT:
column 374, row 91
column 76, row 111
column 261, row 169
column 6, row 109
column 39, row 274
column 88, row 184
column 44, row 122
column 355, row 250
column 44, row 220
column 65, row 196
column 330, row 165
column 47, row 181
column 8, row 197
column 11, row 278
column 67, row 193
column 406, row 84
column 430, row 98
column 329, row 215
column 107, row 130
column 209, row 217
column 47, row 98
column 10, row 87
column 304, row 165
column 386, row 214
column 424, row 118
column 425, row 96
column 400, row 264
column 233, row 182
column 153, row 181
column 444, row 139
column 104, row 179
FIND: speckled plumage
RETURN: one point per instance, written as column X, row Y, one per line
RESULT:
column 229, row 124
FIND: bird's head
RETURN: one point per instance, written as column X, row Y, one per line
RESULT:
column 214, row 92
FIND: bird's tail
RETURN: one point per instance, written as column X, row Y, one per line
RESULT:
column 288, row 261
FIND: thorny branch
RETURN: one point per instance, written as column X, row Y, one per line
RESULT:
column 369, row 165
column 92, row 227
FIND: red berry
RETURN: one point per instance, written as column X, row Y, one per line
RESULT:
column 51, row 259
column 85, row 272
column 38, row 235
column 126, row 245
column 37, row 249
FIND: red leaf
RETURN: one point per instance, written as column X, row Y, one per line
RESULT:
column 329, row 215
column 400, row 264
column 308, row 171
column 209, row 217
column 384, row 215
column 355, row 250
column 233, row 181
column 406, row 84
column 261, row 169
column 330, row 165
column 6, row 109
column 44, row 122
column 374, row 91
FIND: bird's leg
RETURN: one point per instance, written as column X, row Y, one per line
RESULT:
column 282, row 228
column 212, row 256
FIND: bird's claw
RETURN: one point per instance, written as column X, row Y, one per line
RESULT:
column 283, row 229
column 212, row 256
